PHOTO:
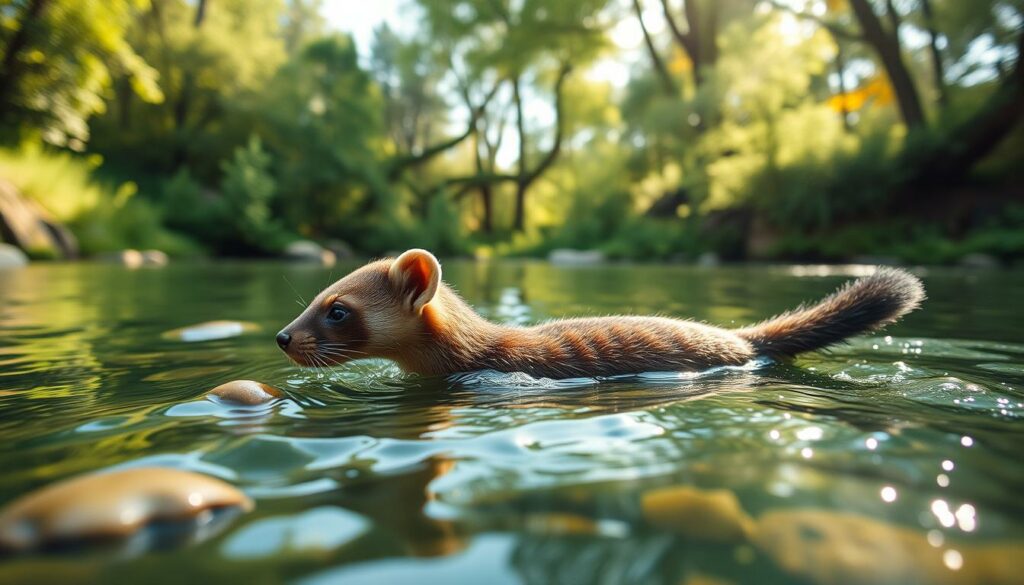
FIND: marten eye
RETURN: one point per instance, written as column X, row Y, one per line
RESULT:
column 337, row 314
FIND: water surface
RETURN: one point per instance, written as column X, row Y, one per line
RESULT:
column 363, row 474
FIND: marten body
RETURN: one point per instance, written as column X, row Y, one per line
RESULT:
column 400, row 310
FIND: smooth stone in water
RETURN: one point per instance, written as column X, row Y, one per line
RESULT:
column 837, row 548
column 246, row 392
column 211, row 330
column 711, row 515
column 112, row 504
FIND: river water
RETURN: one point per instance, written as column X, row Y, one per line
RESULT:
column 894, row 458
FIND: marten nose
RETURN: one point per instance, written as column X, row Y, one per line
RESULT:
column 283, row 339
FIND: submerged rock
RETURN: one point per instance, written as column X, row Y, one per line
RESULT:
column 112, row 504
column 314, row 532
column 833, row 548
column 11, row 257
column 246, row 392
column 712, row 515
column 211, row 330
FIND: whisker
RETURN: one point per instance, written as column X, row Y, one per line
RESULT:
column 304, row 303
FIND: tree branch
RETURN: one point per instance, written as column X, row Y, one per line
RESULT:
column 837, row 30
column 556, row 146
column 402, row 162
column 659, row 65
column 685, row 39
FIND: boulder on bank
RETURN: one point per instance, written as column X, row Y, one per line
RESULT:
column 309, row 252
column 134, row 258
column 11, row 257
column 978, row 260
column 25, row 224
column 112, row 504
column 575, row 257
column 341, row 250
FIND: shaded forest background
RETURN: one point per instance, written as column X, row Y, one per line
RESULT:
column 810, row 130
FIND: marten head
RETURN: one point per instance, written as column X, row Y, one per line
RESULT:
column 373, row 312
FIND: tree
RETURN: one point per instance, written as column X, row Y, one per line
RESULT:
column 58, row 60
column 212, row 59
column 523, row 42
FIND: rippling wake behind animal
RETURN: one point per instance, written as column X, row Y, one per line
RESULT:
column 400, row 309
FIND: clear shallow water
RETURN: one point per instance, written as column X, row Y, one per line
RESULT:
column 364, row 475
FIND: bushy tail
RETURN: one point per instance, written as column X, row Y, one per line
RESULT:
column 859, row 306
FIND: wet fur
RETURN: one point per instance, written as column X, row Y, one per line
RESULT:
column 443, row 334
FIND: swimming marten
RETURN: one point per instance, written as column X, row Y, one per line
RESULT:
column 400, row 310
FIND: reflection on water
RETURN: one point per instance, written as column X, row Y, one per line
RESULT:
column 893, row 459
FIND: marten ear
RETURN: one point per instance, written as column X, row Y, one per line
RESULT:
column 416, row 275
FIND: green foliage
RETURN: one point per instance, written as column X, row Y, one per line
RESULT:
column 444, row 131
column 248, row 189
column 59, row 60
column 104, row 218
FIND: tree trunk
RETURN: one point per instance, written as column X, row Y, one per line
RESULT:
column 840, row 71
column 487, row 201
column 519, row 213
column 973, row 140
column 887, row 46
column 526, row 176
column 938, row 68
column 11, row 66
column 184, row 101
column 659, row 65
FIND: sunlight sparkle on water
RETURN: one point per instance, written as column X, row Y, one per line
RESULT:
column 942, row 479
column 953, row 559
column 966, row 517
column 872, row 443
column 941, row 510
column 947, row 465
column 966, row 441
column 810, row 434
column 888, row 494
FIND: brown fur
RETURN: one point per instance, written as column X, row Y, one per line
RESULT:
column 400, row 310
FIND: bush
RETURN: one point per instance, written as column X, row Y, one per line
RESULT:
column 103, row 218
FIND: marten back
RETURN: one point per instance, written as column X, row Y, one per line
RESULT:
column 863, row 305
